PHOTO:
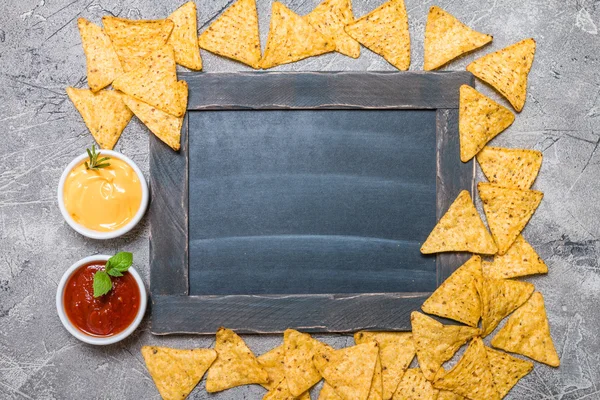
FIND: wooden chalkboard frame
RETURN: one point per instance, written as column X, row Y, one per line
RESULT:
column 175, row 311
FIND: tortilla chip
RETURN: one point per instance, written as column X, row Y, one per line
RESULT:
column 448, row 395
column 281, row 391
column 506, row 70
column 520, row 260
column 460, row 229
column 235, row 365
column 527, row 332
column 447, row 38
column 480, row 119
column 506, row 370
column 376, row 391
column 134, row 40
column 510, row 167
column 414, row 386
column 184, row 37
column 176, row 372
column 272, row 362
column 330, row 17
column 499, row 298
column 165, row 126
column 103, row 65
column 471, row 376
column 292, row 38
column 328, row 393
column 300, row 372
column 457, row 297
column 350, row 370
column 385, row 32
column 155, row 82
column 436, row 343
column 507, row 211
column 104, row 113
column 396, row 351
column 235, row 34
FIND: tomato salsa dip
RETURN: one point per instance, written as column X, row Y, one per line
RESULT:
column 102, row 316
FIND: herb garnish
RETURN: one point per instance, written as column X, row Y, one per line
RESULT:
column 115, row 266
column 94, row 163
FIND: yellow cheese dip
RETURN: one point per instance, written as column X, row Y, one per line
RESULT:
column 105, row 199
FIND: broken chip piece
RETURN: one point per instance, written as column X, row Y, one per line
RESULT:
column 330, row 17
column 499, row 298
column 510, row 167
column 184, row 37
column 520, row 260
column 506, row 370
column 414, row 386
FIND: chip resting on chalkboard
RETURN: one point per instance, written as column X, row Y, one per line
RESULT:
column 330, row 17
column 510, row 167
column 184, row 37
column 520, row 260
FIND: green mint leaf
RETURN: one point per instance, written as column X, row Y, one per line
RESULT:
column 102, row 283
column 120, row 262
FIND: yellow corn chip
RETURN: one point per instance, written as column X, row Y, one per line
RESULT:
column 436, row 343
column 330, row 17
column 510, row 167
column 457, row 297
column 480, row 119
column 134, row 40
column 527, row 332
column 328, row 393
column 507, row 211
column 235, row 34
column 447, row 38
column 103, row 65
column 300, row 372
column 165, row 126
column 448, row 395
column 471, row 376
column 104, row 113
column 176, row 372
column 499, row 298
column 460, row 229
column 396, row 351
column 506, row 70
column 155, row 82
column 350, row 370
column 376, row 391
column 520, row 260
column 272, row 362
column 414, row 386
column 385, row 32
column 292, row 38
column 506, row 370
column 281, row 391
column 235, row 365
column 184, row 36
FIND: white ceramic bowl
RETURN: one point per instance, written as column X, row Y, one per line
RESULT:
column 60, row 307
column 90, row 232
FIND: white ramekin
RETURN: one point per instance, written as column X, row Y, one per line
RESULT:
column 90, row 232
column 60, row 307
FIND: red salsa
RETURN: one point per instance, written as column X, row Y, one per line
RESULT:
column 106, row 315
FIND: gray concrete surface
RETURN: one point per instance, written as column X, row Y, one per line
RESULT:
column 40, row 132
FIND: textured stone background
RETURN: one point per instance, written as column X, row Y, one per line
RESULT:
column 40, row 132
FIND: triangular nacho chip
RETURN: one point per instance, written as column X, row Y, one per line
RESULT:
column 104, row 113
column 281, row 391
column 385, row 31
column 328, row 393
column 103, row 65
column 184, row 37
column 134, row 40
column 330, row 17
column 499, row 298
column 507, row 211
column 436, row 343
column 349, row 370
column 176, row 372
column 460, row 229
column 300, row 372
column 506, row 70
column 396, row 351
column 376, row 391
column 292, row 38
column 235, row 365
column 480, row 119
column 471, row 376
column 272, row 362
column 527, row 332
column 447, row 38
column 155, row 82
column 235, row 34
column 520, row 260
column 457, row 297
column 448, row 395
column 414, row 386
column 506, row 370
column 510, row 167
column 165, row 126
